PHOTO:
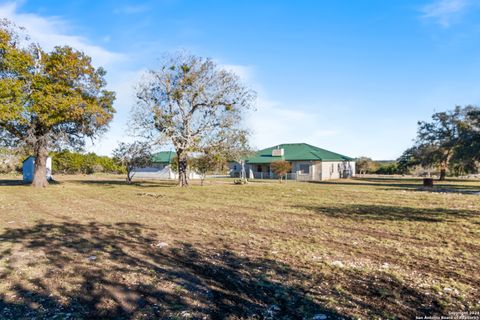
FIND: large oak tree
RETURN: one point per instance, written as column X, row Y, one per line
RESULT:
column 192, row 103
column 48, row 99
column 449, row 140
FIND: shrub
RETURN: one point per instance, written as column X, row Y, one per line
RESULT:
column 389, row 168
column 68, row 162
column 11, row 160
column 97, row 168
column 366, row 165
column 281, row 168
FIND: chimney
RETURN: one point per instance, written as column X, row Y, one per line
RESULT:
column 277, row 152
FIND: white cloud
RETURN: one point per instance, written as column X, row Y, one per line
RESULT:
column 273, row 124
column 244, row 72
column 445, row 12
column 53, row 31
column 123, row 84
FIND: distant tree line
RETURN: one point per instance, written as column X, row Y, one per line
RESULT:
column 448, row 144
column 365, row 165
column 63, row 162
column 67, row 162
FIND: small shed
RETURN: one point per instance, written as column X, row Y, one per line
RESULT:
column 161, row 168
column 28, row 169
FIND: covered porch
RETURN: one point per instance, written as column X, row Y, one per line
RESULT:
column 301, row 171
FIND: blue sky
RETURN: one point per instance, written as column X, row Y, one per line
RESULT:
column 350, row 76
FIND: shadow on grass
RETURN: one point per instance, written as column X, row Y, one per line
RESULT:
column 379, row 212
column 20, row 182
column 11, row 182
column 123, row 271
column 142, row 183
column 386, row 297
column 409, row 184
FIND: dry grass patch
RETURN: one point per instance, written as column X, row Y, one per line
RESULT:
column 96, row 247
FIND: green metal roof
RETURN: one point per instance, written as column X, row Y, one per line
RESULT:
column 297, row 152
column 164, row 157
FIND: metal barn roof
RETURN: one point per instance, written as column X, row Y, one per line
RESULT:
column 297, row 152
column 164, row 157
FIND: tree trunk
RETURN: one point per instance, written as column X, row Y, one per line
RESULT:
column 182, row 169
column 129, row 177
column 243, row 173
column 41, row 155
column 443, row 173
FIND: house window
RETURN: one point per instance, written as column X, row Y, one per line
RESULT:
column 304, row 168
column 235, row 168
column 259, row 168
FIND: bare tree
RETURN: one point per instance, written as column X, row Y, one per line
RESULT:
column 133, row 155
column 234, row 146
column 205, row 163
column 190, row 101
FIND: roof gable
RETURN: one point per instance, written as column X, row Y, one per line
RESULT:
column 164, row 157
column 297, row 152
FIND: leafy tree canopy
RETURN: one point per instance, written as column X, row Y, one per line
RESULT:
column 49, row 99
column 281, row 168
column 365, row 165
column 449, row 140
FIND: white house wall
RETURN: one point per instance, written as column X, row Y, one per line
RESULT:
column 314, row 171
column 318, row 170
column 337, row 169
column 234, row 168
column 354, row 168
column 160, row 172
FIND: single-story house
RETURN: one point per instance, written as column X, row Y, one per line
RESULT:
column 161, row 168
column 309, row 163
column 28, row 169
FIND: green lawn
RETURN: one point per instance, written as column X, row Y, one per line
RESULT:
column 367, row 248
